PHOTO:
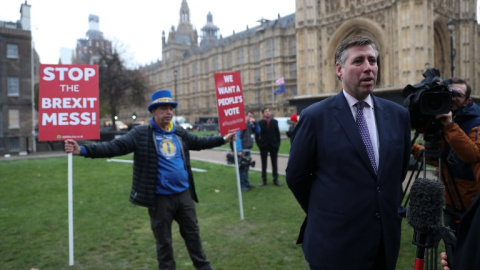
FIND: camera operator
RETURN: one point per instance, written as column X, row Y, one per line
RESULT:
column 460, row 152
column 244, row 145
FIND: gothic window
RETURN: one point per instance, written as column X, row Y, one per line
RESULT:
column 270, row 48
column 195, row 68
column 292, row 70
column 257, row 75
column 293, row 90
column 216, row 64
column 256, row 53
column 229, row 60
column 270, row 69
column 240, row 57
column 206, row 66
column 292, row 48
column 258, row 96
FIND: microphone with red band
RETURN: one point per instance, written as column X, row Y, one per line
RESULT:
column 425, row 215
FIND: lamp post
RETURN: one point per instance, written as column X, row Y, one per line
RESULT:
column 451, row 29
column 175, row 83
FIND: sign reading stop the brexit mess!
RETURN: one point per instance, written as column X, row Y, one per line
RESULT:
column 228, row 89
column 68, row 103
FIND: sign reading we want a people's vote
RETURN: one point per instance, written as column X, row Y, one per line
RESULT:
column 229, row 93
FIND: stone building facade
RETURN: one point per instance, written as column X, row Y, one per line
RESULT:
column 18, row 70
column 412, row 35
column 262, row 54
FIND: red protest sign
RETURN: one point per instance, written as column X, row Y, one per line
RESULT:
column 231, row 111
column 68, row 103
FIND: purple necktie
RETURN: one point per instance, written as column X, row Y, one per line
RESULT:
column 363, row 128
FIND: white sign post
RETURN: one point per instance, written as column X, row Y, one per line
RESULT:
column 70, row 208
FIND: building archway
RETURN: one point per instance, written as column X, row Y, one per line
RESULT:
column 441, row 51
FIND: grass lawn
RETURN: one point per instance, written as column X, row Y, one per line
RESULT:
column 111, row 233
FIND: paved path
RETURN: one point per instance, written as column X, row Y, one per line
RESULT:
column 216, row 155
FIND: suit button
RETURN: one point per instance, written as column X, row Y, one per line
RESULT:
column 379, row 189
column 377, row 215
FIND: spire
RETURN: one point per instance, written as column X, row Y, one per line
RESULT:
column 209, row 30
column 184, row 24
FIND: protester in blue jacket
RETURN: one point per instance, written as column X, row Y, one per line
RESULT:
column 162, row 175
column 244, row 144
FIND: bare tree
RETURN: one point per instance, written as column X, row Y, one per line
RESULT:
column 119, row 85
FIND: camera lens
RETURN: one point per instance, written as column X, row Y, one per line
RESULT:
column 432, row 103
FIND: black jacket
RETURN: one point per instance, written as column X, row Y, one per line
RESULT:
column 467, row 253
column 268, row 136
column 140, row 141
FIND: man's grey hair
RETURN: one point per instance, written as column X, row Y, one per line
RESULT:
column 341, row 54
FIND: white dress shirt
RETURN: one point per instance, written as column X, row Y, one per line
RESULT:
column 368, row 112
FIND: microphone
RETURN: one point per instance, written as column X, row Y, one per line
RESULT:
column 425, row 215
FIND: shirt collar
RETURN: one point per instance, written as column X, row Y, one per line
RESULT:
column 352, row 101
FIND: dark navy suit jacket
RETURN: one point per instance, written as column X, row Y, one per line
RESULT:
column 269, row 137
column 349, row 208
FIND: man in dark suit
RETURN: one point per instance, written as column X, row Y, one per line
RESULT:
column 351, row 195
column 267, row 137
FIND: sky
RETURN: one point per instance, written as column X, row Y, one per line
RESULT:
column 135, row 27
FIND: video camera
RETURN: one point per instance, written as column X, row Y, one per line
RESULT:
column 426, row 99
column 244, row 160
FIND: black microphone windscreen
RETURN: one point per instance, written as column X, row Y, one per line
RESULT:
column 426, row 204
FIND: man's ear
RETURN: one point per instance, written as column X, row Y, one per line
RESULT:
column 338, row 71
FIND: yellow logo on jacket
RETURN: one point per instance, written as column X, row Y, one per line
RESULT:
column 168, row 148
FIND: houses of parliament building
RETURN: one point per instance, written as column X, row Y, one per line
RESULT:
column 412, row 35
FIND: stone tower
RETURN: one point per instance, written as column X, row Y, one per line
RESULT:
column 412, row 35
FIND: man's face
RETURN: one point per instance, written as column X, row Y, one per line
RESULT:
column 266, row 113
column 163, row 114
column 458, row 96
column 359, row 74
column 249, row 116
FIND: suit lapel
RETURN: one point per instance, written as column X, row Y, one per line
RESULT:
column 381, row 117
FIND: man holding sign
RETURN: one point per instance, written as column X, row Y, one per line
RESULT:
column 162, row 175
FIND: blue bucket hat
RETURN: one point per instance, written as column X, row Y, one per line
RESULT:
column 162, row 97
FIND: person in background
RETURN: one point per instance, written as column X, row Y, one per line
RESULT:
column 343, row 172
column 293, row 123
column 267, row 136
column 460, row 152
column 244, row 144
column 162, row 175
